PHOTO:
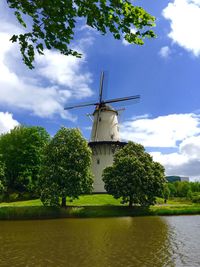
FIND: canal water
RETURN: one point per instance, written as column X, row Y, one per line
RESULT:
column 106, row 242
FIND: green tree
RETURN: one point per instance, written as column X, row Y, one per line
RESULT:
column 166, row 193
column 22, row 152
column 183, row 188
column 134, row 176
column 2, row 179
column 66, row 169
column 195, row 186
column 172, row 189
column 53, row 23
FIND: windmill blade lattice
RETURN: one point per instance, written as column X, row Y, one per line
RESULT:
column 81, row 105
column 100, row 103
column 122, row 99
column 101, row 87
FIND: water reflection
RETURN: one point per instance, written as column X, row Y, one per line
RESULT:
column 185, row 240
column 142, row 241
column 131, row 242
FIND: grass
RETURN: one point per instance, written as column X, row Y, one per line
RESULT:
column 91, row 206
column 27, row 203
column 96, row 200
column 86, row 200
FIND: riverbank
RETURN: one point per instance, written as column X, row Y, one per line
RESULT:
column 28, row 212
column 92, row 206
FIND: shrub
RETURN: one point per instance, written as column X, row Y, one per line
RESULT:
column 196, row 197
column 13, row 197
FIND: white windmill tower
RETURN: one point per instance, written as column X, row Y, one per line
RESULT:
column 105, row 137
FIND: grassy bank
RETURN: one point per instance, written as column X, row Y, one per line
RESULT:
column 86, row 200
column 92, row 206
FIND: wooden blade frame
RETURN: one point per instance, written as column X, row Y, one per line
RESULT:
column 100, row 102
column 122, row 99
column 81, row 105
column 101, row 87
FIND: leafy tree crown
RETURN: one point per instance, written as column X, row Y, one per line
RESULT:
column 66, row 168
column 53, row 23
column 134, row 176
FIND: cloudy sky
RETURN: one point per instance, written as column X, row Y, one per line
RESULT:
column 165, row 72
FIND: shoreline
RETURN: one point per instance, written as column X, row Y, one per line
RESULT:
column 41, row 212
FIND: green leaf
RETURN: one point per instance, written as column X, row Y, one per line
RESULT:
column 54, row 25
column 19, row 18
column 14, row 38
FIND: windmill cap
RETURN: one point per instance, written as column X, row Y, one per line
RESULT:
column 105, row 107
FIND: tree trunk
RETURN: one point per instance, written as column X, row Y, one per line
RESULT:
column 63, row 204
column 130, row 201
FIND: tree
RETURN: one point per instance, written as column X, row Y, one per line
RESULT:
column 66, row 168
column 195, row 186
column 172, row 189
column 2, row 179
column 183, row 188
column 166, row 193
column 22, row 152
column 134, row 176
column 53, row 23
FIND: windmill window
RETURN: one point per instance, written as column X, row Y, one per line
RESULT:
column 98, row 161
column 100, row 119
column 112, row 136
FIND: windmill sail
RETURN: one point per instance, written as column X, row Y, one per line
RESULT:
column 122, row 99
column 81, row 105
column 101, row 87
column 100, row 101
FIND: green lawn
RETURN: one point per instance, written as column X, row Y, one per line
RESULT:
column 93, row 206
column 93, row 200
column 96, row 200
column 27, row 203
column 86, row 200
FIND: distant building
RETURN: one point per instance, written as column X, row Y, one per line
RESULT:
column 184, row 178
column 174, row 178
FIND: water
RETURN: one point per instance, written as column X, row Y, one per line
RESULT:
column 107, row 242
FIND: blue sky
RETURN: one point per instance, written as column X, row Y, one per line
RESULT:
column 164, row 71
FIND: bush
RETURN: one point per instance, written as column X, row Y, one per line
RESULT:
column 196, row 197
column 13, row 197
column 189, row 195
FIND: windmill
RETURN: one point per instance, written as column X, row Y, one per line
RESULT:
column 105, row 138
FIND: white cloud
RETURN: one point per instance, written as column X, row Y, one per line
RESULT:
column 88, row 128
column 163, row 131
column 44, row 91
column 184, row 16
column 185, row 162
column 165, row 52
column 180, row 132
column 7, row 122
column 170, row 161
column 191, row 147
column 66, row 72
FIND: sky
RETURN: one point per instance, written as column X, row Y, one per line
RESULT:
column 164, row 72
